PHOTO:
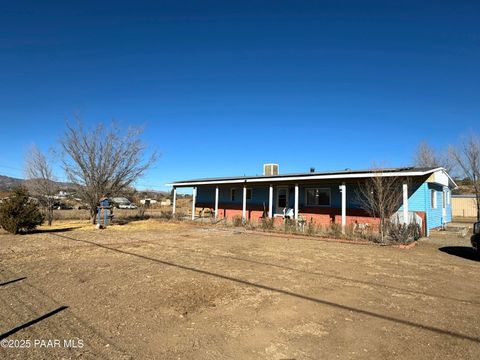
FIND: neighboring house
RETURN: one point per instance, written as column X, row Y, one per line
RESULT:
column 148, row 201
column 464, row 205
column 322, row 197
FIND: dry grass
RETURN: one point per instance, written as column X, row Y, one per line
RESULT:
column 170, row 290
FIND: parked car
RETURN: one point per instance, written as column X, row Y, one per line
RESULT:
column 62, row 206
column 475, row 239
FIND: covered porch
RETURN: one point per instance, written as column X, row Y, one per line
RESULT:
column 321, row 201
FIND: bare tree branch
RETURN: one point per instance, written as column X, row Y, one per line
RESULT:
column 467, row 156
column 41, row 181
column 426, row 156
column 381, row 196
column 101, row 162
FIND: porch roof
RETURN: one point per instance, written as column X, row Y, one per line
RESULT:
column 298, row 177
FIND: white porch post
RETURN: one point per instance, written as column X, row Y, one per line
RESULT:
column 194, row 198
column 405, row 203
column 244, row 208
column 343, row 190
column 216, row 202
column 270, row 202
column 174, row 200
column 296, row 202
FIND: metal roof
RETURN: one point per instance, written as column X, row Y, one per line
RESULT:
column 347, row 173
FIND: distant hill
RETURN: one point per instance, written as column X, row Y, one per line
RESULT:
column 465, row 186
column 8, row 183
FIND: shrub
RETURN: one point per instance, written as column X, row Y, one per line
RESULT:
column 311, row 228
column 180, row 215
column 165, row 214
column 267, row 224
column 141, row 210
column 335, row 230
column 290, row 225
column 19, row 213
column 404, row 233
column 237, row 220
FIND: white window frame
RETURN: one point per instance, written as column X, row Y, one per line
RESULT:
column 318, row 188
column 233, row 194
column 433, row 198
column 444, row 199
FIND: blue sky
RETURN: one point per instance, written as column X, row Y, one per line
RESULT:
column 225, row 86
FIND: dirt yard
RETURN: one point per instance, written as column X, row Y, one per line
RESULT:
column 153, row 290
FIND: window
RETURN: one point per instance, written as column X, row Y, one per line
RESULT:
column 317, row 197
column 433, row 199
column 249, row 194
column 444, row 199
column 232, row 194
column 282, row 198
column 449, row 197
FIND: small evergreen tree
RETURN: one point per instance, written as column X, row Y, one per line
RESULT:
column 19, row 213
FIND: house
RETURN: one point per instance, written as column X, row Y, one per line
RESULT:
column 322, row 197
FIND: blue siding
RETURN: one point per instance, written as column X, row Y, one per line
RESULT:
column 419, row 198
column 206, row 194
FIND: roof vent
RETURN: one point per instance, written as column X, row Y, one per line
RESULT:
column 270, row 169
column 312, row 169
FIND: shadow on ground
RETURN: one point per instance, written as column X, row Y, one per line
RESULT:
column 465, row 252
column 57, row 230
column 32, row 322
column 128, row 219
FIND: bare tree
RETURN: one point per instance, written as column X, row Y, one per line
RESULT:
column 427, row 156
column 102, row 162
column 381, row 196
column 467, row 156
column 41, row 181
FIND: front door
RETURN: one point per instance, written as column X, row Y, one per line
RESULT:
column 282, row 200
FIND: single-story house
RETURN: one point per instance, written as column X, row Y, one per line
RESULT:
column 322, row 197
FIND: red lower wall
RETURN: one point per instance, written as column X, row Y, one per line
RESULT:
column 319, row 217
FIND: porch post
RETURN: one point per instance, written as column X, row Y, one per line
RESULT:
column 194, row 198
column 244, row 208
column 174, row 200
column 405, row 203
column 296, row 202
column 343, row 190
column 216, row 202
column 270, row 201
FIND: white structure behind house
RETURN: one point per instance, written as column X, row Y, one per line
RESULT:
column 148, row 201
column 166, row 202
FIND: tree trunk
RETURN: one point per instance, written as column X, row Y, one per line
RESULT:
column 478, row 205
column 93, row 214
column 50, row 216
column 381, row 230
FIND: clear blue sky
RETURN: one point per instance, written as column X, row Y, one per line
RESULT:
column 225, row 86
